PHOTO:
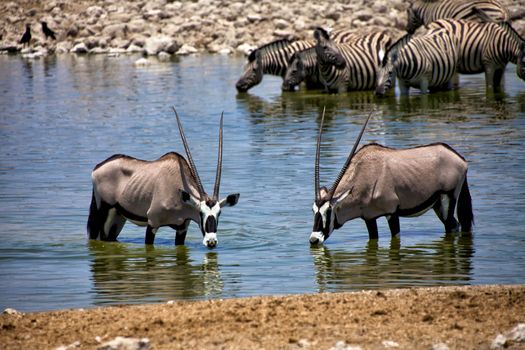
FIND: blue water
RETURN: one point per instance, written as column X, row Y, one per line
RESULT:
column 59, row 116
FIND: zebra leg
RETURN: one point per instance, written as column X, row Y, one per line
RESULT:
column 371, row 226
column 393, row 224
column 403, row 87
column 180, row 235
column 150, row 234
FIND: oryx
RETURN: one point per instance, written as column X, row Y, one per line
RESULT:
column 163, row 192
column 380, row 181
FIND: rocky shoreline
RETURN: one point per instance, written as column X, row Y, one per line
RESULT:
column 163, row 28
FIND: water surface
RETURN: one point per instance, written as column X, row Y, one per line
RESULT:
column 61, row 116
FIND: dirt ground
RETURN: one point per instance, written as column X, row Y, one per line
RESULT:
column 460, row 317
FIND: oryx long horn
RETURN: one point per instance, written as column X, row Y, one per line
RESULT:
column 219, row 164
column 317, row 156
column 350, row 156
column 193, row 169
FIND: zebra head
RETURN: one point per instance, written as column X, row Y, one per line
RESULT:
column 327, row 51
column 327, row 204
column 252, row 74
column 295, row 73
column 386, row 73
column 209, row 208
column 414, row 21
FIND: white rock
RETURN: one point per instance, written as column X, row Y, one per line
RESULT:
column 390, row 344
column 341, row 345
column 156, row 44
column 121, row 343
column 170, row 302
column 186, row 50
column 440, row 346
column 11, row 311
column 517, row 334
column 281, row 23
column 79, row 48
column 70, row 346
column 95, row 11
column 254, row 17
column 134, row 48
column 163, row 56
column 499, row 342
column 245, row 49
column 142, row 62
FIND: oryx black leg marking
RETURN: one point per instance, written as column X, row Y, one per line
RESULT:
column 371, row 226
column 393, row 224
column 96, row 220
column 451, row 225
column 180, row 235
column 150, row 235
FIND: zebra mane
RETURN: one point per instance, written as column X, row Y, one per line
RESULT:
column 509, row 28
column 321, row 31
column 299, row 54
column 274, row 45
column 394, row 48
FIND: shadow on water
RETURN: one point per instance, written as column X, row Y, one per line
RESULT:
column 127, row 273
column 440, row 262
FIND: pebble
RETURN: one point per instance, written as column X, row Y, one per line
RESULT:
column 516, row 335
column 342, row 345
column 70, row 346
column 440, row 346
column 390, row 344
column 122, row 343
column 11, row 311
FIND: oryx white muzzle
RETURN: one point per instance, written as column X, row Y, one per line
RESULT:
column 316, row 238
column 210, row 240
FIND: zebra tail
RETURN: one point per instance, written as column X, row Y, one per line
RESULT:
column 465, row 214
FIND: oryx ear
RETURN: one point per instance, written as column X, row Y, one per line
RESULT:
column 189, row 199
column 339, row 199
column 230, row 201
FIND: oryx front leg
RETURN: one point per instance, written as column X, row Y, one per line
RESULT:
column 180, row 235
column 371, row 226
column 393, row 224
column 150, row 234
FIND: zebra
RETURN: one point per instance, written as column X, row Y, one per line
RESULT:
column 486, row 47
column 271, row 58
column 302, row 67
column 423, row 12
column 303, row 64
column 344, row 66
column 427, row 62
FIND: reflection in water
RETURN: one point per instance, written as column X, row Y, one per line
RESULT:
column 125, row 273
column 444, row 261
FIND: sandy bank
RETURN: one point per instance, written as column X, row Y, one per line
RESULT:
column 458, row 317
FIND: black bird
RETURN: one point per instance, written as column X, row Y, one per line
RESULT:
column 27, row 35
column 48, row 32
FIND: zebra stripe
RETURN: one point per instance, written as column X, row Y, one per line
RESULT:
column 271, row 59
column 427, row 62
column 486, row 47
column 345, row 66
column 423, row 12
